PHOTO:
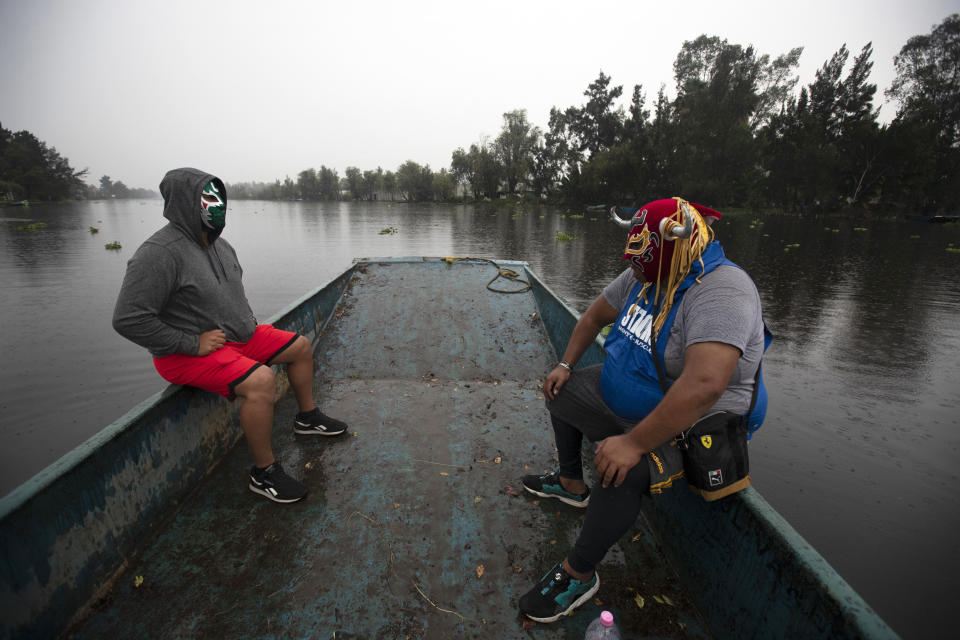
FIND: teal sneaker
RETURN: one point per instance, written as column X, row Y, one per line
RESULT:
column 557, row 594
column 548, row 486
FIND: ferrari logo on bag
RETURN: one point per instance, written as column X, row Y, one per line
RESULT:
column 707, row 441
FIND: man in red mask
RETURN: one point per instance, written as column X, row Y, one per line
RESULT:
column 686, row 342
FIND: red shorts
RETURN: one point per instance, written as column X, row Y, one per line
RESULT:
column 225, row 368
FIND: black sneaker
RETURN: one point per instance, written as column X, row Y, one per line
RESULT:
column 548, row 486
column 557, row 594
column 275, row 484
column 315, row 423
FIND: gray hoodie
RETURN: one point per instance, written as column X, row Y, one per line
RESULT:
column 176, row 287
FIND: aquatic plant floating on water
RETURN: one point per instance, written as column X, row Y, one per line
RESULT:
column 388, row 230
column 94, row 230
column 112, row 246
column 36, row 226
column 563, row 236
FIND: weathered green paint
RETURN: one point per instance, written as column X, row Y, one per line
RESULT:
column 438, row 378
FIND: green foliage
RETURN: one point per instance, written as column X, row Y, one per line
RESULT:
column 388, row 231
column 515, row 147
column 415, row 182
column 563, row 236
column 110, row 189
column 30, row 170
column 925, row 136
column 112, row 246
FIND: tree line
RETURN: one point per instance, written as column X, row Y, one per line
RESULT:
column 30, row 170
column 738, row 133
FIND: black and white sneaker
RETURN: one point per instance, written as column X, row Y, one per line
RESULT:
column 314, row 423
column 275, row 484
column 557, row 594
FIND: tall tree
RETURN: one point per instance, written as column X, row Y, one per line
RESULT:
column 717, row 96
column 926, row 131
column 354, row 182
column 515, row 147
column 859, row 142
column 463, row 170
column 597, row 125
column 308, row 184
column 927, row 86
column 328, row 183
column 31, row 170
column 415, row 182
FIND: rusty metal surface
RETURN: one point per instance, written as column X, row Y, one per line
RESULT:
column 416, row 525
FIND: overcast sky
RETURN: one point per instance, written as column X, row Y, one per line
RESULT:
column 257, row 90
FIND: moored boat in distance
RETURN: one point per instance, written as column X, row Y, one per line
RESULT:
column 415, row 525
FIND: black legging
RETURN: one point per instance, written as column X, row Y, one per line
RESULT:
column 611, row 512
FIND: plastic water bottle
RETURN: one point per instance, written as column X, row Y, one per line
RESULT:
column 603, row 628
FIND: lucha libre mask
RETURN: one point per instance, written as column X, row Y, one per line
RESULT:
column 655, row 229
column 213, row 207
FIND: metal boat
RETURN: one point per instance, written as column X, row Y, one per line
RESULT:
column 416, row 525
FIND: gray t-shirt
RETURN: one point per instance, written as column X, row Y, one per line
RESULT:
column 723, row 307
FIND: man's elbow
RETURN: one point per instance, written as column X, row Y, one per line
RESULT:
column 120, row 324
column 709, row 389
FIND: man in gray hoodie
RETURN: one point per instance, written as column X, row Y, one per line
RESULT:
column 183, row 300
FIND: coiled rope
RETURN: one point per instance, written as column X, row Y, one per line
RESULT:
column 502, row 272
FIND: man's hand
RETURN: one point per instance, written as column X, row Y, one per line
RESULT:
column 211, row 341
column 555, row 380
column 615, row 457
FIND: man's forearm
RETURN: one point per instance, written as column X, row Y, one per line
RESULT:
column 682, row 406
column 584, row 333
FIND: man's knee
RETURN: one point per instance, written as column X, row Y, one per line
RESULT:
column 260, row 384
column 299, row 350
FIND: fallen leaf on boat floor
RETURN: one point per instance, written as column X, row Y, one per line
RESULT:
column 640, row 601
column 480, row 571
column 137, row 582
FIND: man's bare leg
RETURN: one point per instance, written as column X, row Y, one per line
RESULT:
column 299, row 360
column 256, row 413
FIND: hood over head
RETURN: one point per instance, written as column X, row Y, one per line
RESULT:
column 182, row 204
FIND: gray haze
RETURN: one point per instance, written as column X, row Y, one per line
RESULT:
column 257, row 91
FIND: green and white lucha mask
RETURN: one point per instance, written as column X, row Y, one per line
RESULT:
column 213, row 207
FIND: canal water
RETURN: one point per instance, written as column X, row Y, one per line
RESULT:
column 860, row 448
